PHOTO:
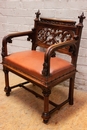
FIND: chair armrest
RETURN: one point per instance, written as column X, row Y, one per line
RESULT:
column 55, row 47
column 8, row 39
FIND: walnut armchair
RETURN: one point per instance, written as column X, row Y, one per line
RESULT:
column 45, row 69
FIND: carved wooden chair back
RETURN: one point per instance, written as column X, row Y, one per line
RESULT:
column 53, row 31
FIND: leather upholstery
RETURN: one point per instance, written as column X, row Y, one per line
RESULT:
column 31, row 63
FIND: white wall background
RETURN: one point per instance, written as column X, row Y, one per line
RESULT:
column 18, row 15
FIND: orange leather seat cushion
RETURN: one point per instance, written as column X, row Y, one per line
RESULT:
column 31, row 63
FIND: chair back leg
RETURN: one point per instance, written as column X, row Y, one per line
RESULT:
column 71, row 90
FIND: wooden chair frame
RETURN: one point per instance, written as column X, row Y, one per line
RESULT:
column 69, row 46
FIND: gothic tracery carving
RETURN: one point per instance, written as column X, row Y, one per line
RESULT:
column 52, row 36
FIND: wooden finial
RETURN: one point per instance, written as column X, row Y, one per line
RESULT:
column 81, row 18
column 37, row 15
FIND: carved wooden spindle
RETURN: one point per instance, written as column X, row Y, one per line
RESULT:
column 81, row 18
column 37, row 15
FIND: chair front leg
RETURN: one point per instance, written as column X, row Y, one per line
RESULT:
column 7, row 88
column 46, row 114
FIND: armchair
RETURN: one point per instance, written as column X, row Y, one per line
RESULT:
column 45, row 69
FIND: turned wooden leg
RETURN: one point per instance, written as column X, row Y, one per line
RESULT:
column 46, row 114
column 71, row 90
column 7, row 89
